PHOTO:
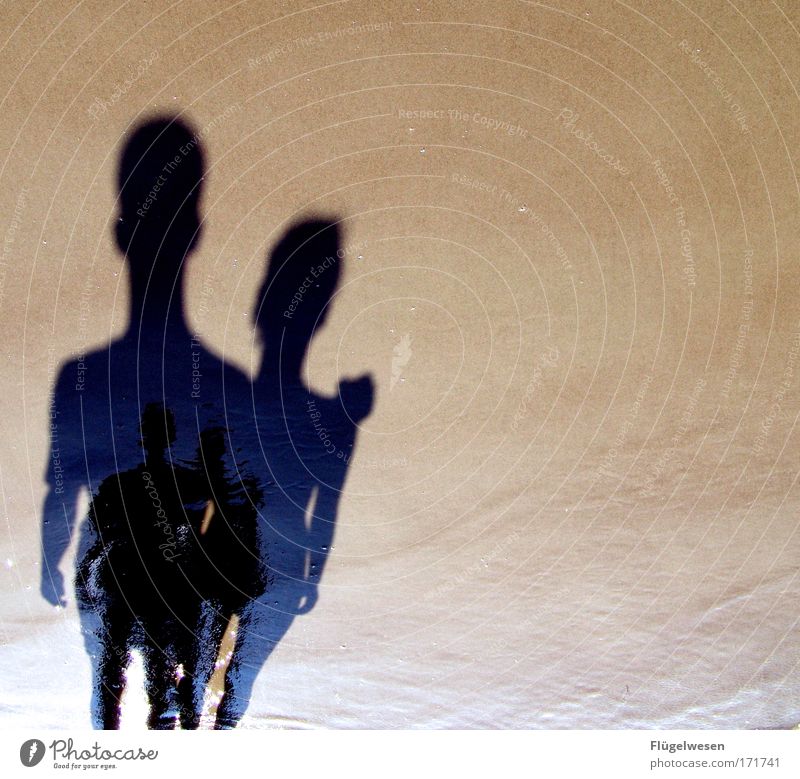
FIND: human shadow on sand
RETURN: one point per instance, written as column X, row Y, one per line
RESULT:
column 202, row 483
column 307, row 441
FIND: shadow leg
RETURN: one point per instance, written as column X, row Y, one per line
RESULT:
column 160, row 679
column 200, row 653
column 260, row 630
column 110, row 668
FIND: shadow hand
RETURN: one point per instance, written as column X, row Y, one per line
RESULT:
column 308, row 599
column 52, row 588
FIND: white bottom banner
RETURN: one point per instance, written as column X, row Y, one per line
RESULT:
column 403, row 753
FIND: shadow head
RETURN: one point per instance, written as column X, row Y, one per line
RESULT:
column 302, row 278
column 160, row 179
column 157, row 428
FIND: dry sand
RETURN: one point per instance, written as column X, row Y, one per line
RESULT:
column 571, row 269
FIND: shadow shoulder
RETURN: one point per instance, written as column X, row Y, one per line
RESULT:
column 78, row 374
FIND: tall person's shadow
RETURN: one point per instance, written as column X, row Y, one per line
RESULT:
column 307, row 441
column 105, row 408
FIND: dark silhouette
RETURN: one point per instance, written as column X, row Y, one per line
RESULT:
column 181, row 538
column 101, row 404
column 137, row 572
column 228, row 566
column 307, row 441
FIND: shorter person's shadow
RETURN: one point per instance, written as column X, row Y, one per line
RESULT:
column 175, row 559
column 138, row 575
column 307, row 441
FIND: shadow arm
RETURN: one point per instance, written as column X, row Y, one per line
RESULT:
column 59, row 512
